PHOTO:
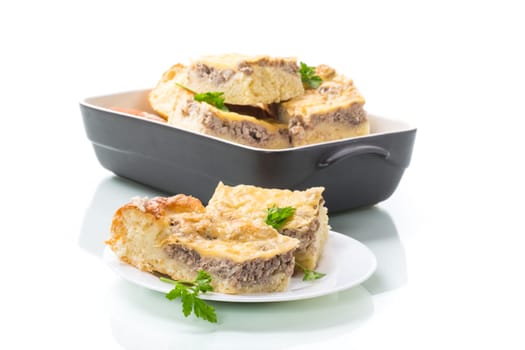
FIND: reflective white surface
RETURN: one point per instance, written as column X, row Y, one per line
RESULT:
column 449, row 242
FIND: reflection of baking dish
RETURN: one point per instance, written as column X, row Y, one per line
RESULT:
column 356, row 172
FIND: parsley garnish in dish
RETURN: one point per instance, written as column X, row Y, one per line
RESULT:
column 308, row 76
column 215, row 99
column 212, row 98
column 188, row 292
column 277, row 217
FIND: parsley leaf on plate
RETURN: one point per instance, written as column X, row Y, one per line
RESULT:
column 310, row 275
column 204, row 311
column 189, row 292
column 277, row 217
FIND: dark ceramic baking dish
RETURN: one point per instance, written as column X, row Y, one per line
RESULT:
column 356, row 172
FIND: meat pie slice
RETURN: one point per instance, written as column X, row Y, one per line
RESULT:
column 176, row 237
column 332, row 111
column 170, row 99
column 231, row 126
column 309, row 223
column 246, row 80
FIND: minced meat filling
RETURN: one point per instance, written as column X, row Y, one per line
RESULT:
column 220, row 76
column 305, row 238
column 354, row 115
column 246, row 273
column 243, row 130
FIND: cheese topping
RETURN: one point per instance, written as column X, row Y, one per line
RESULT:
column 237, row 240
column 245, row 201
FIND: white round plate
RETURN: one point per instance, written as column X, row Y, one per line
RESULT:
column 345, row 261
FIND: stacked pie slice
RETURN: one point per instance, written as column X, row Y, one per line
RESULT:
column 263, row 101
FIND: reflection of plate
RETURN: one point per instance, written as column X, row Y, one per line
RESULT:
column 345, row 261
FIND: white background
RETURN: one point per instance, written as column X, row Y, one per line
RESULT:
column 453, row 69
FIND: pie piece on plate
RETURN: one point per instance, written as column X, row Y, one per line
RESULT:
column 332, row 111
column 175, row 236
column 309, row 223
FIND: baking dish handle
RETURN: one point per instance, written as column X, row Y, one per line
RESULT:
column 350, row 151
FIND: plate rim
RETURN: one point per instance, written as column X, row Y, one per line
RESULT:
column 119, row 267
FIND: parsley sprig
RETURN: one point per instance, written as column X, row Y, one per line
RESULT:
column 212, row 98
column 310, row 275
column 308, row 76
column 215, row 99
column 189, row 292
column 277, row 217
